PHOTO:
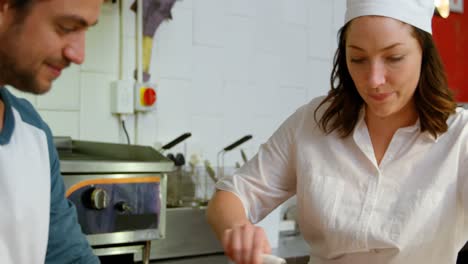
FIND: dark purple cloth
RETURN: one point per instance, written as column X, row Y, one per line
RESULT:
column 154, row 13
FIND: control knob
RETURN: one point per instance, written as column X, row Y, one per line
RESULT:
column 123, row 207
column 99, row 199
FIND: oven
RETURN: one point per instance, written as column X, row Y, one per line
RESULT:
column 119, row 192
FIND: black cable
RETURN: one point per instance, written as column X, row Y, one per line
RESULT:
column 126, row 132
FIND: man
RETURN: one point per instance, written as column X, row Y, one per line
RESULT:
column 38, row 39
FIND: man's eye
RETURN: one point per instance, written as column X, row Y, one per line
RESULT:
column 66, row 29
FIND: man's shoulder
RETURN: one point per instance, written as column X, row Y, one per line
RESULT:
column 25, row 109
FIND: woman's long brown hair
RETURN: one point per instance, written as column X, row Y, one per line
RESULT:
column 434, row 100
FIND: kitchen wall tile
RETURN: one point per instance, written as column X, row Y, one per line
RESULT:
column 238, row 49
column 294, row 11
column 63, row 123
column 266, row 76
column 318, row 77
column 268, row 26
column 238, row 99
column 187, row 4
column 173, row 49
column 267, row 100
column 208, row 80
column 240, row 8
column 173, row 115
column 320, row 33
column 339, row 10
column 208, row 22
column 28, row 96
column 293, row 55
column 102, row 44
column 65, row 92
column 96, row 121
column 291, row 99
column 265, row 69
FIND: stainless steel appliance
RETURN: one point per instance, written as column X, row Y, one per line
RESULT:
column 119, row 192
column 188, row 236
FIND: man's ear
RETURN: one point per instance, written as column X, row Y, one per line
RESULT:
column 6, row 14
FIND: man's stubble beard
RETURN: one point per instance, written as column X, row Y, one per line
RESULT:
column 11, row 73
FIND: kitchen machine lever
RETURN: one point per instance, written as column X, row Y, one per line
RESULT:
column 220, row 156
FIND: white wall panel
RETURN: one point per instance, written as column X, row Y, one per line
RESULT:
column 209, row 22
column 238, row 49
column 291, row 99
column 339, row 10
column 65, row 92
column 268, row 26
column 102, row 43
column 97, row 122
column 240, row 8
column 293, row 55
column 208, row 80
column 266, row 75
column 321, row 33
column 318, row 78
column 63, row 123
column 173, row 48
column 173, row 115
column 187, row 4
column 294, row 11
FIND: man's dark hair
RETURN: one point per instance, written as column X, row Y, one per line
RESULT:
column 21, row 4
column 434, row 100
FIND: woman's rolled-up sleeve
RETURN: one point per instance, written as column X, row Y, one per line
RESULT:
column 269, row 178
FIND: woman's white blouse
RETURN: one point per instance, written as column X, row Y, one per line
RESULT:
column 409, row 209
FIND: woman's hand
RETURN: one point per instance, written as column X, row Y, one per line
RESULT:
column 244, row 244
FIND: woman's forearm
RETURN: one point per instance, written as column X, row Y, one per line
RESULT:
column 225, row 211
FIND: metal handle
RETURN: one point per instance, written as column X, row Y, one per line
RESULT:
column 177, row 140
column 238, row 143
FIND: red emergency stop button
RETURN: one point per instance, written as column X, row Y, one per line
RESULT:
column 149, row 97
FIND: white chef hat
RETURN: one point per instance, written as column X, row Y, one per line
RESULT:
column 414, row 12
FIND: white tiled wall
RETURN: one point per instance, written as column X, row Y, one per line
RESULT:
column 225, row 68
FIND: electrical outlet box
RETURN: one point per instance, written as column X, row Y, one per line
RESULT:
column 145, row 97
column 122, row 97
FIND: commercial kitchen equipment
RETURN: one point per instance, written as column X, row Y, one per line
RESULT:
column 119, row 192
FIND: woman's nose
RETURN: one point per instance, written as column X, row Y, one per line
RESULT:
column 377, row 74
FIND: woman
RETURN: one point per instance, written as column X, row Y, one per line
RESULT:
column 378, row 165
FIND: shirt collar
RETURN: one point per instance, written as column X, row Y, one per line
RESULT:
column 415, row 128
